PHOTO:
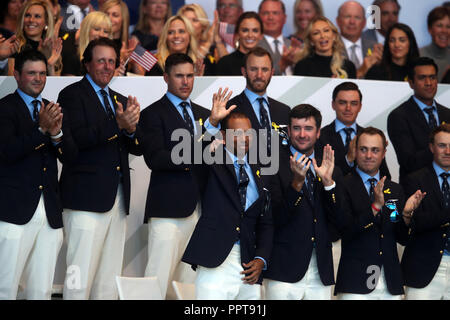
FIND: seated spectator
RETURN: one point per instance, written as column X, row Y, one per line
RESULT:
column 118, row 13
column 400, row 48
column 96, row 24
column 248, row 32
column 178, row 36
column 35, row 30
column 322, row 54
column 439, row 28
column 304, row 12
column 9, row 16
column 153, row 14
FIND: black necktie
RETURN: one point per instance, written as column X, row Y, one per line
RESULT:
column 310, row 183
column 432, row 123
column 108, row 108
column 264, row 120
column 445, row 190
column 348, row 137
column 187, row 118
column 373, row 183
column 35, row 110
column 242, row 186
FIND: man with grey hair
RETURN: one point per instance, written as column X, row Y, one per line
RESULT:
column 363, row 52
column 389, row 11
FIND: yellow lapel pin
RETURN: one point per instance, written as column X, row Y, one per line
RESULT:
column 200, row 121
column 258, row 174
column 387, row 191
column 115, row 99
column 369, row 52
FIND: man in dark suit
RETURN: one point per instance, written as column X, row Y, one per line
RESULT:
column 426, row 259
column 341, row 133
column 172, row 214
column 95, row 186
column 263, row 111
column 360, row 50
column 303, row 193
column 370, row 227
column 410, row 124
column 30, row 220
column 273, row 16
column 232, row 241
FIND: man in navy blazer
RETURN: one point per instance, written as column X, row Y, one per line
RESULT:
column 264, row 112
column 341, row 133
column 95, row 185
column 369, row 266
column 172, row 207
column 409, row 125
column 303, row 194
column 30, row 220
column 426, row 259
column 232, row 241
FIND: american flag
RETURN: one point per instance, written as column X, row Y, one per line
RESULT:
column 226, row 32
column 143, row 57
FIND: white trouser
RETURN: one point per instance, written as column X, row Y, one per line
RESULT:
column 225, row 281
column 310, row 287
column 380, row 292
column 28, row 255
column 438, row 288
column 95, row 245
column 167, row 241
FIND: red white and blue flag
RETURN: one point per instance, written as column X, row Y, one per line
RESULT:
column 143, row 57
column 226, row 32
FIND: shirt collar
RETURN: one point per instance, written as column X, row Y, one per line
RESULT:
column 348, row 44
column 270, row 39
column 365, row 177
column 176, row 100
column 422, row 105
column 339, row 125
column 252, row 97
column 294, row 150
column 96, row 87
column 235, row 159
column 27, row 98
column 438, row 169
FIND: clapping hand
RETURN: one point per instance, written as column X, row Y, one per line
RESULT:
column 50, row 118
column 128, row 119
column 299, row 168
column 325, row 171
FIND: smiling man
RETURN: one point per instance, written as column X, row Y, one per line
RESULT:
column 173, row 199
column 341, row 133
column 95, row 185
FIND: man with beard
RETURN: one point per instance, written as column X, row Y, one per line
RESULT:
column 303, row 198
column 263, row 112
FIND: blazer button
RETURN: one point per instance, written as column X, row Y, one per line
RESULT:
column 41, row 187
column 382, row 236
column 441, row 252
column 118, row 168
column 444, row 235
column 381, row 253
column 238, row 229
column 315, row 220
column 312, row 239
column 44, row 169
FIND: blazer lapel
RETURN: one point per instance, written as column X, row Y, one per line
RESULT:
column 92, row 96
column 248, row 110
column 23, row 110
column 418, row 116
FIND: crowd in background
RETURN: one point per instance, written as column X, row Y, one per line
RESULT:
column 217, row 45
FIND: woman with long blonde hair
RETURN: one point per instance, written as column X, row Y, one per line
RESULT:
column 95, row 25
column 177, row 36
column 322, row 54
column 35, row 30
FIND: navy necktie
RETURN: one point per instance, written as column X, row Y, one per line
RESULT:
column 432, row 123
column 35, row 110
column 310, row 182
column 445, row 190
column 108, row 108
column 264, row 120
column 242, row 185
column 187, row 118
column 373, row 183
column 348, row 137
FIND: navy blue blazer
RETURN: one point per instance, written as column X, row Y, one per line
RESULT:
column 28, row 165
column 174, row 189
column 430, row 227
column 223, row 221
column 368, row 240
column 89, row 181
column 328, row 135
column 301, row 223
column 409, row 133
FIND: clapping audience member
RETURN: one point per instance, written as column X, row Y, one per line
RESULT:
column 248, row 32
column 96, row 24
column 9, row 16
column 322, row 55
column 36, row 30
column 153, row 14
column 439, row 28
column 400, row 48
column 304, row 12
